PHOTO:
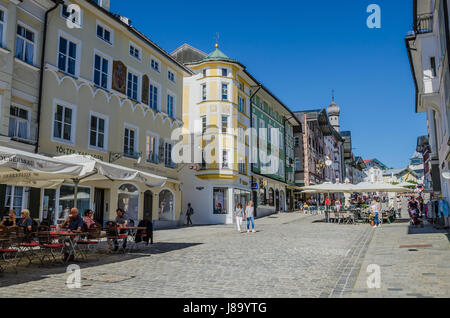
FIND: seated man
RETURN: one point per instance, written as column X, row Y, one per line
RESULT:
column 122, row 221
column 74, row 223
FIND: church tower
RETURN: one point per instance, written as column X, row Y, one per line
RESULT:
column 334, row 111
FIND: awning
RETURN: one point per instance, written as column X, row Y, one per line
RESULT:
column 351, row 188
column 21, row 168
column 96, row 170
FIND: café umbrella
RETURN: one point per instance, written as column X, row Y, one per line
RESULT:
column 97, row 170
column 21, row 168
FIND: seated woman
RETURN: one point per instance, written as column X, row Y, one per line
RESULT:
column 88, row 218
column 11, row 221
column 26, row 221
column 90, row 222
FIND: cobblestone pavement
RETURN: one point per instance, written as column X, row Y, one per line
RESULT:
column 291, row 255
column 414, row 262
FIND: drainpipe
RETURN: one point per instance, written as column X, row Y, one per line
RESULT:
column 41, row 76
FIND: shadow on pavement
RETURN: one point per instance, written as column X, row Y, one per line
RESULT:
column 426, row 229
column 36, row 273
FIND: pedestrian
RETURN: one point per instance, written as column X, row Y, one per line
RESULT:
column 338, row 205
column 250, row 216
column 239, row 213
column 189, row 212
column 375, row 207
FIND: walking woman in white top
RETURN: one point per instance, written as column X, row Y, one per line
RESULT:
column 250, row 215
column 375, row 207
column 239, row 213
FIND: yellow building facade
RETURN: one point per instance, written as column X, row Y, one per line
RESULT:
column 111, row 93
column 216, row 116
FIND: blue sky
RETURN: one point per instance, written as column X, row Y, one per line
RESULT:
column 301, row 50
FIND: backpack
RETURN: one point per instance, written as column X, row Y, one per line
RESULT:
column 191, row 211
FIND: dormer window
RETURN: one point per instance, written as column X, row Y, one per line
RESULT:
column 104, row 33
column 155, row 65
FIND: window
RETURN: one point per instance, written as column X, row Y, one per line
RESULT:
column 241, row 104
column 224, row 91
column 135, row 51
column 271, row 197
column 97, row 132
column 166, row 206
column 242, row 166
column 67, row 56
column 171, row 76
column 104, row 33
column 224, row 72
column 297, row 141
column 204, row 72
column 170, row 105
column 203, row 91
column 269, row 134
column 25, row 44
column 153, row 96
column 19, row 123
column 224, row 124
column 220, row 200
column 129, row 142
column 132, row 86
column 168, row 155
column 66, row 200
column 63, row 124
column 225, row 164
column 101, row 71
column 2, row 26
column 155, row 65
column 151, row 148
column 14, row 199
column 433, row 66
column 297, row 164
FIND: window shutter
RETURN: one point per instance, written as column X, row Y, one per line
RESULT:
column 161, row 151
column 145, row 89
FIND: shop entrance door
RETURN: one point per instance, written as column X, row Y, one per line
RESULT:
column 99, row 203
column 148, row 206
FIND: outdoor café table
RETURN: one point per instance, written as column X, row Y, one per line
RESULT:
column 70, row 240
column 132, row 233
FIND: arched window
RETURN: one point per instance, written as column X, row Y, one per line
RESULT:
column 271, row 197
column 129, row 201
column 166, row 206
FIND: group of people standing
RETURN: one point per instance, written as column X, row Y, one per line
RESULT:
column 239, row 214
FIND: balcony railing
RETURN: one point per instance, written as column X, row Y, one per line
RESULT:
column 424, row 24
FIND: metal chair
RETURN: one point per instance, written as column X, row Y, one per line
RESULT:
column 92, row 239
column 49, row 248
column 8, row 252
column 112, row 233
